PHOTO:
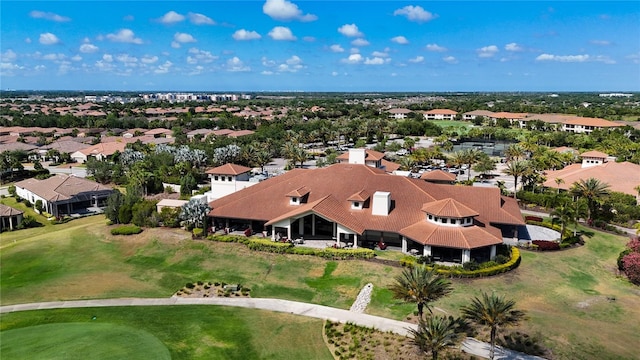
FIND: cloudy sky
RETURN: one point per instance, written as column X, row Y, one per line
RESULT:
column 284, row 45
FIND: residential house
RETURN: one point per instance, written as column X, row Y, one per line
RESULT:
column 99, row 151
column 472, row 115
column 398, row 114
column 64, row 194
column 228, row 179
column 361, row 205
column 583, row 125
column 10, row 218
column 440, row 114
column 159, row 132
column 514, row 118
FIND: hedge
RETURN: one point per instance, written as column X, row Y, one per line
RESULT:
column 544, row 245
column 460, row 272
column 261, row 244
column 126, row 230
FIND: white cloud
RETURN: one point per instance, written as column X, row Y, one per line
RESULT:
column 266, row 72
column 124, row 36
column 88, row 48
column 353, row 59
column 354, row 51
column 562, row 58
column 200, row 56
column 285, row 10
column 200, row 19
column 450, row 59
column 336, row 48
column 415, row 13
column 600, row 42
column 8, row 56
column 183, row 38
column 48, row 16
column 171, row 17
column 107, row 58
column 604, row 59
column 175, row 45
column 309, row 39
column 147, row 59
column 292, row 64
column 48, row 39
column 54, row 57
column 436, row 48
column 350, row 30
column 487, row 51
column 164, row 68
column 76, row 58
column 417, row 59
column 359, row 42
column 334, row 73
column 374, row 61
column 281, row 33
column 236, row 65
column 27, row 40
column 127, row 59
column 243, row 34
column 379, row 54
column 400, row 40
column 266, row 62
column 513, row 47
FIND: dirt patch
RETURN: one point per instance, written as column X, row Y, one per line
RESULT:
column 212, row 289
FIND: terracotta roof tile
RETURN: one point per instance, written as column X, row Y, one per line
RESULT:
column 229, row 169
column 622, row 177
column 441, row 112
column 592, row 122
column 438, row 175
column 299, row 192
column 448, row 208
column 594, row 154
column 361, row 195
column 468, row 237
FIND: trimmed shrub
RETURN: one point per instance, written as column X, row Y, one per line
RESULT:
column 269, row 246
column 197, row 232
column 631, row 265
column 408, row 260
column 229, row 238
column 459, row 272
column 544, row 245
column 126, row 230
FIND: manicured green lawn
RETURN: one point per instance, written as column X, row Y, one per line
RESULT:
column 451, row 123
column 568, row 295
column 28, row 211
column 173, row 332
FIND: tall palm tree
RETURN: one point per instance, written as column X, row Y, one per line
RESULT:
column 514, row 152
column 421, row 286
column 516, row 169
column 471, row 156
column 558, row 182
column 592, row 190
column 494, row 312
column 436, row 333
column 566, row 215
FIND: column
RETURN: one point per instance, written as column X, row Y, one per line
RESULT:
column 355, row 241
column 313, row 224
column 466, row 256
column 10, row 222
column 404, row 244
column 289, row 230
column 493, row 252
column 426, row 251
column 301, row 226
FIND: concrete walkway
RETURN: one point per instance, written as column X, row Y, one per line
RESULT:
column 470, row 345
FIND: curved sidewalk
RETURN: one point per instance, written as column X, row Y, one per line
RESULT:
column 470, row 345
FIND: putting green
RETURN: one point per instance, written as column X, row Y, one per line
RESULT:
column 81, row 341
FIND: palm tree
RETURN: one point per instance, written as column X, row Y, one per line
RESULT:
column 516, row 169
column 471, row 156
column 421, row 286
column 492, row 311
column 514, row 152
column 592, row 190
column 558, row 182
column 436, row 333
column 566, row 215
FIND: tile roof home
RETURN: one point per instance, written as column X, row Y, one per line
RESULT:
column 440, row 114
column 240, row 133
column 438, row 176
column 64, row 194
column 9, row 217
column 99, row 151
column 398, row 113
column 622, row 177
column 229, row 169
column 587, row 125
column 363, row 204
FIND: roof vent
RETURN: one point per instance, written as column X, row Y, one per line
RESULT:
column 381, row 203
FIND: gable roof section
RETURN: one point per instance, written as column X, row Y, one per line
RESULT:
column 594, row 154
column 438, row 175
column 229, row 169
column 361, row 195
column 299, row 192
column 9, row 211
column 105, row 149
column 622, row 177
column 585, row 121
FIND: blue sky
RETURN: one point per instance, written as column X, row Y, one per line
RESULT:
column 284, row 45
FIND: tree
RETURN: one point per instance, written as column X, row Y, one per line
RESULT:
column 470, row 157
column 514, row 152
column 114, row 202
column 421, row 286
column 194, row 213
column 558, row 182
column 436, row 333
column 485, row 166
column 566, row 215
column 494, row 312
column 593, row 190
column 516, row 169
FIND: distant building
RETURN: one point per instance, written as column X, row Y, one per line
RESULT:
column 440, row 114
column 398, row 113
column 10, row 218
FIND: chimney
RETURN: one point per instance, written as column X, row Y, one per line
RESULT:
column 381, row 203
column 356, row 156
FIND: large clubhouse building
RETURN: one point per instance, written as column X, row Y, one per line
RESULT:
column 363, row 205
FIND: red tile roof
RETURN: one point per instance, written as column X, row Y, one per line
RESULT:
column 229, row 169
column 438, row 175
column 441, row 112
column 60, row 187
column 592, row 122
column 370, row 155
column 331, row 188
column 449, row 208
column 299, row 192
column 594, row 154
column 361, row 195
column 622, row 177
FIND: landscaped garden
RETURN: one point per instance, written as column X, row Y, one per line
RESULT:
column 575, row 300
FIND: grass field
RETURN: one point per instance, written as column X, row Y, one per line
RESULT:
column 574, row 298
column 174, row 332
column 28, row 211
column 451, row 123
